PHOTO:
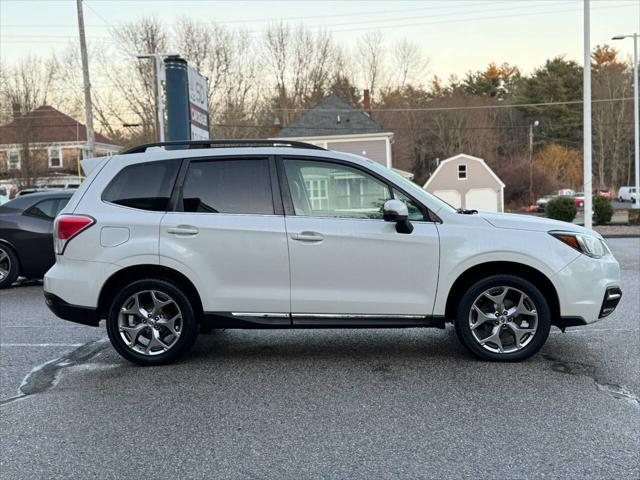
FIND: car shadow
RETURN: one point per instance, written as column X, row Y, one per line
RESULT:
column 338, row 344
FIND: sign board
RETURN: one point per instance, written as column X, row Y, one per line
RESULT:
column 198, row 106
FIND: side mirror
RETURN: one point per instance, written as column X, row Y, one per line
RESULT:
column 396, row 211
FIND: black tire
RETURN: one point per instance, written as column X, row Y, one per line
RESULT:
column 9, row 264
column 463, row 329
column 188, row 327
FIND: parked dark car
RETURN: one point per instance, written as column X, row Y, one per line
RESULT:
column 26, row 234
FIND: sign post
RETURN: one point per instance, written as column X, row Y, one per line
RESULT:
column 187, row 101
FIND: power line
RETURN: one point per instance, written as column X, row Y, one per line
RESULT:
column 387, row 25
column 286, row 19
column 415, row 109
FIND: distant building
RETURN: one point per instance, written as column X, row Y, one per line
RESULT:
column 467, row 182
column 334, row 124
column 55, row 142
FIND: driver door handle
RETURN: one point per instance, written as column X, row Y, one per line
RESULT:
column 185, row 230
column 311, row 237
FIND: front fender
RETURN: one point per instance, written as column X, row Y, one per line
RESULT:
column 463, row 248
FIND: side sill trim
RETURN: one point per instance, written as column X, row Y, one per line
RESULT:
column 253, row 320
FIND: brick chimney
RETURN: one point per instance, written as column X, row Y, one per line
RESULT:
column 15, row 110
column 275, row 126
column 366, row 102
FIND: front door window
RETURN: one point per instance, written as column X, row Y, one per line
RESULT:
column 324, row 189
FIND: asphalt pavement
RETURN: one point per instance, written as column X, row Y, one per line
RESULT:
column 406, row 403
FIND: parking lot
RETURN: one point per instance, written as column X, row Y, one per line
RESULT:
column 320, row 403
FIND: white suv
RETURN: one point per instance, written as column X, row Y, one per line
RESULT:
column 162, row 242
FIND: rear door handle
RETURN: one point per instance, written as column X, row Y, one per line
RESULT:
column 186, row 230
column 307, row 237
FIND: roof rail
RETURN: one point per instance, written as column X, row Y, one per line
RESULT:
column 195, row 144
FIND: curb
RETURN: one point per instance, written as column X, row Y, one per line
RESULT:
column 621, row 235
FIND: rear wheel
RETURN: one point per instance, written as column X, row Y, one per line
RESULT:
column 151, row 322
column 8, row 266
column 503, row 318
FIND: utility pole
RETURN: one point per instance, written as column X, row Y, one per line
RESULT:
column 586, row 112
column 532, row 199
column 91, row 138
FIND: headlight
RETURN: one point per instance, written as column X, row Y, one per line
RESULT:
column 587, row 244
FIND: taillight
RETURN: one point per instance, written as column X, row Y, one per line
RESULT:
column 67, row 227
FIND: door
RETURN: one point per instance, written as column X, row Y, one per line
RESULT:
column 482, row 199
column 344, row 258
column 452, row 197
column 228, row 236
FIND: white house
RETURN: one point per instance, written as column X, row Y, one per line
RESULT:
column 467, row 182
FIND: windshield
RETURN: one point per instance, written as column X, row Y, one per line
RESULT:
column 411, row 187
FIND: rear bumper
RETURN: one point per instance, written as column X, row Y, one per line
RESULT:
column 73, row 313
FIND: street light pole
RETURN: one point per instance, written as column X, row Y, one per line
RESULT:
column 586, row 112
column 636, row 113
column 636, row 118
column 531, row 126
column 157, row 60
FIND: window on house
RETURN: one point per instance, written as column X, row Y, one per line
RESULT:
column 13, row 160
column 55, row 157
column 462, row 172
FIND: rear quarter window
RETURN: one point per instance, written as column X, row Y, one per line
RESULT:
column 145, row 186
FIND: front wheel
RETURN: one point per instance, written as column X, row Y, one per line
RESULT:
column 503, row 318
column 151, row 322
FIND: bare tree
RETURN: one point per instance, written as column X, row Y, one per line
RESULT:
column 131, row 100
column 371, row 57
column 612, row 121
column 409, row 64
column 24, row 88
column 27, row 85
column 303, row 64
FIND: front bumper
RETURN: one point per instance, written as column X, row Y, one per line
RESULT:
column 73, row 313
column 585, row 287
column 611, row 299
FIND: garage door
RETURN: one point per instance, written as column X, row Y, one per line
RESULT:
column 452, row 197
column 482, row 199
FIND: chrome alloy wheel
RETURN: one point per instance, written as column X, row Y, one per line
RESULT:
column 503, row 320
column 5, row 264
column 150, row 322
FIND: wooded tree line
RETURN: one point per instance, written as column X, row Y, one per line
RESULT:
column 260, row 79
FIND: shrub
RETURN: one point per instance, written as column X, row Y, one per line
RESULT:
column 561, row 208
column 602, row 210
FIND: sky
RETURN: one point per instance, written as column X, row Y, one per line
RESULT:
column 455, row 35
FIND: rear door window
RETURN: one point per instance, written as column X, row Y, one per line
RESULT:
column 44, row 209
column 240, row 186
column 62, row 202
column 145, row 186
